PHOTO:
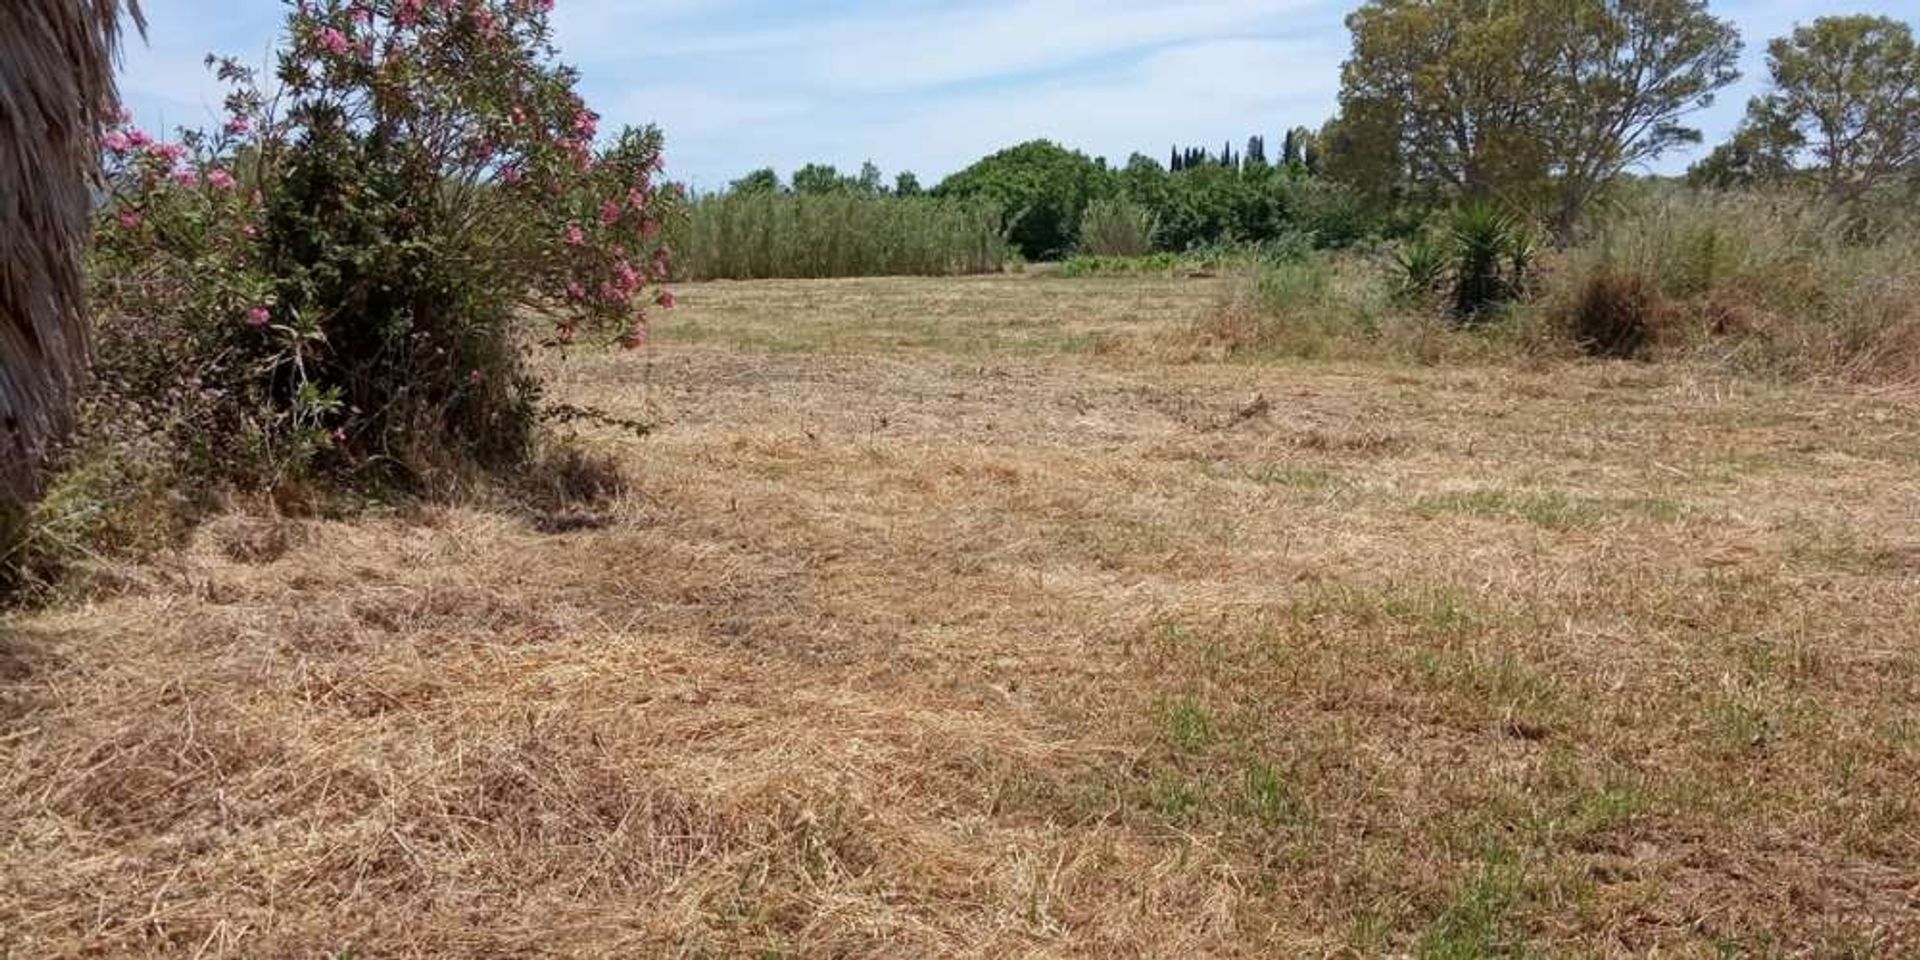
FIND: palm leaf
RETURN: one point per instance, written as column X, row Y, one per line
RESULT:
column 57, row 60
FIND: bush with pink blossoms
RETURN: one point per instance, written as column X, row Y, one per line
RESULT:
column 344, row 279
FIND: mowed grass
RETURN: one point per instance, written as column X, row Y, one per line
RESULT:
column 965, row 618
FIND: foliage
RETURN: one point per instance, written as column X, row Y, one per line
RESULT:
column 1206, row 261
column 1538, row 104
column 1845, row 90
column 1422, row 266
column 745, row 236
column 1117, row 228
column 334, row 281
column 1758, row 153
column 763, row 180
column 1044, row 189
column 1492, row 256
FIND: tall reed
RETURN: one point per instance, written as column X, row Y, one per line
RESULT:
column 750, row 236
column 1117, row 228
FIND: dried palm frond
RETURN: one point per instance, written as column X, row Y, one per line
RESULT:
column 56, row 89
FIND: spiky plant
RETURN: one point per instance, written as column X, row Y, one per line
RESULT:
column 1420, row 267
column 56, row 89
column 1483, row 238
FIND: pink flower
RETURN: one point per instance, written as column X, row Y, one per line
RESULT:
column 220, row 178
column 667, row 300
column 627, row 280
column 576, row 292
column 575, row 236
column 586, row 124
column 407, row 13
column 610, row 213
column 334, row 42
column 129, row 219
column 170, row 152
column 476, row 378
column 186, row 178
column 361, row 15
column 139, row 138
column 238, row 125
column 635, row 339
column 116, row 142
column 258, row 317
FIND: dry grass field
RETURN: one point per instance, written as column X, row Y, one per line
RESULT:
column 979, row 618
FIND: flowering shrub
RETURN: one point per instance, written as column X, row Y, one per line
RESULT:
column 345, row 276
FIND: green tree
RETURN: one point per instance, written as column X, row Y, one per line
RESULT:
column 819, row 178
column 1256, row 151
column 907, row 185
column 1846, row 90
column 1760, row 151
column 1539, row 104
column 870, row 181
column 763, row 180
column 1144, row 182
column 1628, row 72
column 1044, row 188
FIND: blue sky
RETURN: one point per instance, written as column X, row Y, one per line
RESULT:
column 916, row 84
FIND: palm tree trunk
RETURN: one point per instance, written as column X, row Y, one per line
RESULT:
column 57, row 61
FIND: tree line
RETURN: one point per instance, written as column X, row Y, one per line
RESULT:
column 1538, row 107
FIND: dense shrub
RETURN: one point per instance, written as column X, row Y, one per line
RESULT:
column 1044, row 189
column 758, row 235
column 338, row 285
column 334, row 280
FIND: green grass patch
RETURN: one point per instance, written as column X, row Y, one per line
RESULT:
column 1188, row 725
column 1437, row 610
column 1551, row 509
column 1476, row 922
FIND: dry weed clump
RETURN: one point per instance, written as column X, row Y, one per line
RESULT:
column 1778, row 284
column 1615, row 314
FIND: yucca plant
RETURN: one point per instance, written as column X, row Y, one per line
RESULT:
column 1488, row 246
column 1421, row 267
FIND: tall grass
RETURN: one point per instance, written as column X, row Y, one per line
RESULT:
column 1117, row 228
column 1777, row 283
column 763, row 236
